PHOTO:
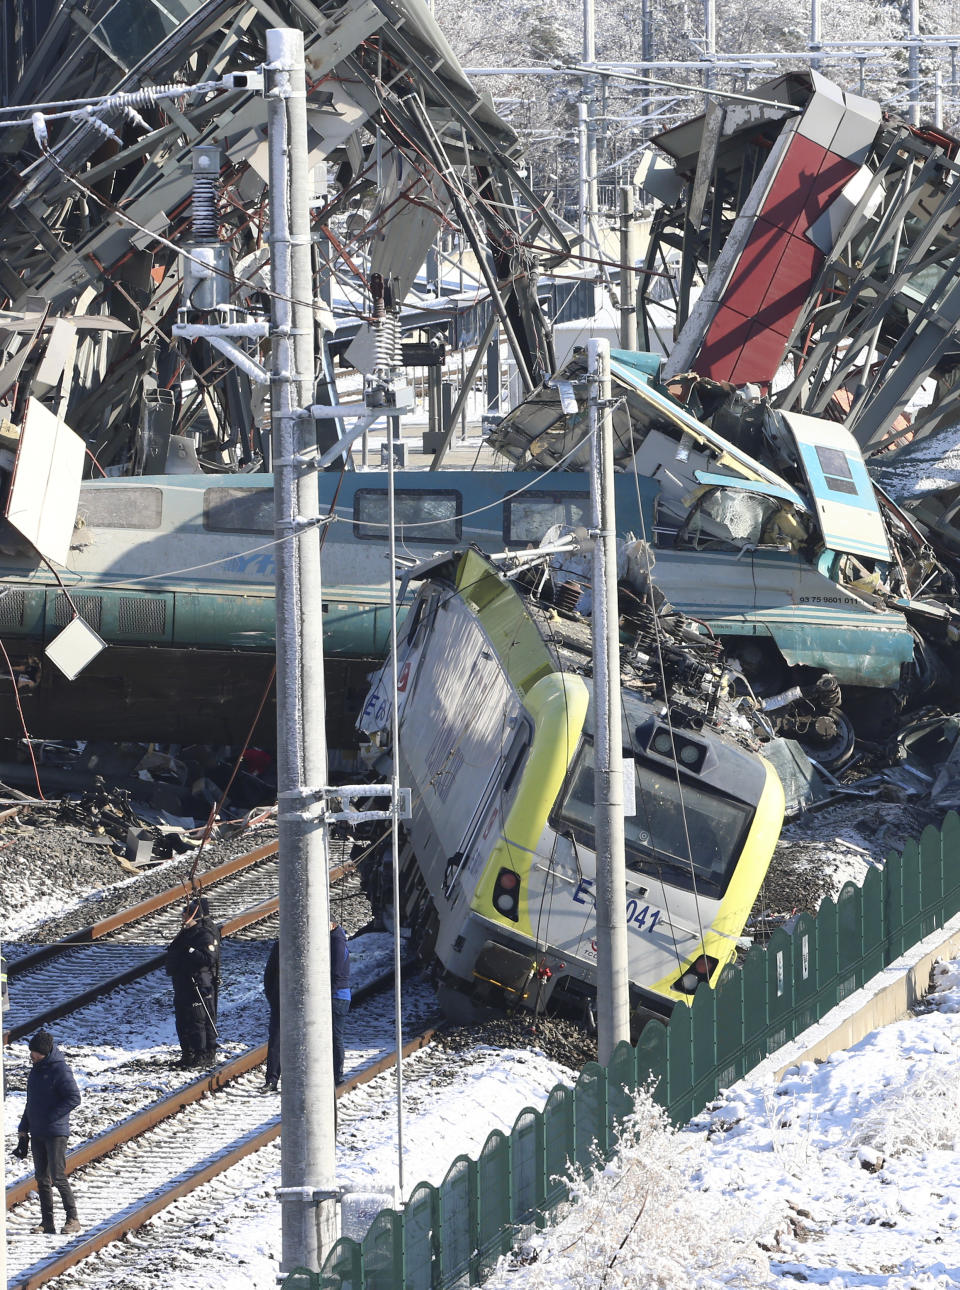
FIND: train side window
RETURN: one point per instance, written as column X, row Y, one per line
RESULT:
column 120, row 508
column 421, row 515
column 526, row 518
column 238, row 510
column 516, row 758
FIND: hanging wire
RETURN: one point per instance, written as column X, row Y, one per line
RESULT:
column 394, row 800
column 23, row 723
column 658, row 640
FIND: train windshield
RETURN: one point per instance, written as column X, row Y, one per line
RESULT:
column 673, row 823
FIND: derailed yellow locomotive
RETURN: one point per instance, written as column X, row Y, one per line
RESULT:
column 497, row 864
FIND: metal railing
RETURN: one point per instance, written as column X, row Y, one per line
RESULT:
column 453, row 1235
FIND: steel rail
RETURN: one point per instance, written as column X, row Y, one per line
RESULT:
column 116, row 1230
column 162, row 900
column 247, row 918
column 126, row 1130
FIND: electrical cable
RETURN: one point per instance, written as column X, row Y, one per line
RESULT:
column 146, row 97
column 23, row 723
column 658, row 640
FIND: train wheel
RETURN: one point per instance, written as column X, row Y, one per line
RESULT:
column 832, row 753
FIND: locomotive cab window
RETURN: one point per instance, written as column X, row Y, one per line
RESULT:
column 421, row 516
column 656, row 838
column 120, row 508
column 527, row 518
column 238, row 510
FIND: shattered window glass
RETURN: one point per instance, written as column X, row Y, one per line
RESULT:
column 836, row 470
column 120, row 508
column 420, row 516
column 238, row 510
column 730, row 515
column 527, row 518
column 672, row 822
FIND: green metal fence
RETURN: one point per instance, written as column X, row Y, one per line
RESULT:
column 452, row 1235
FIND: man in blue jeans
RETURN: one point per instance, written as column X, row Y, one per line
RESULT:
column 52, row 1094
column 340, row 990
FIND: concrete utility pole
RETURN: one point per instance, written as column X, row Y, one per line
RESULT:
column 629, row 251
column 913, row 62
column 710, row 41
column 587, row 129
column 3, row 1164
column 613, row 980
column 307, row 1196
column 815, row 34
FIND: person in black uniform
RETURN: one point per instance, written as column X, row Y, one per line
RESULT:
column 271, row 988
column 193, row 963
column 340, row 991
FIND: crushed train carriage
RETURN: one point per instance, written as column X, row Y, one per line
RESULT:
column 497, row 869
column 769, row 531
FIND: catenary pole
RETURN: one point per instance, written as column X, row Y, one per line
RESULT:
column 815, row 34
column 613, row 991
column 308, row 1208
column 629, row 254
column 710, row 41
column 3, row 1163
column 913, row 62
column 587, row 129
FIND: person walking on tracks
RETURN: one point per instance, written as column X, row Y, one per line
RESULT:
column 340, row 990
column 193, row 963
column 271, row 988
column 339, row 1002
column 52, row 1094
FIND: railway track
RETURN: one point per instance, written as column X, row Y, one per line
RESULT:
column 167, row 1150
column 53, row 980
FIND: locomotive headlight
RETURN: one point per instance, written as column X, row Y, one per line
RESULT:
column 689, row 754
column 700, row 970
column 506, row 894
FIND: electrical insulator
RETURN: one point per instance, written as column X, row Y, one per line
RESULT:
column 206, row 177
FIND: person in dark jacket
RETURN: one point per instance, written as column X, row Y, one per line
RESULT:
column 193, row 963
column 340, row 989
column 271, row 988
column 52, row 1094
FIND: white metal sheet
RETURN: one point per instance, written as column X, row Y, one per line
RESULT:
column 76, row 646
column 45, row 488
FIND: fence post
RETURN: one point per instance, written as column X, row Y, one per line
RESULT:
column 590, row 1115
column 529, row 1168
column 781, row 1012
column 421, row 1239
column 931, row 880
column 849, row 940
column 494, row 1203
column 874, row 922
column 950, row 853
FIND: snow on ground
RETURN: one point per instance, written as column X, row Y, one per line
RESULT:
column 842, row 1173
column 449, row 1113
column 925, row 465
